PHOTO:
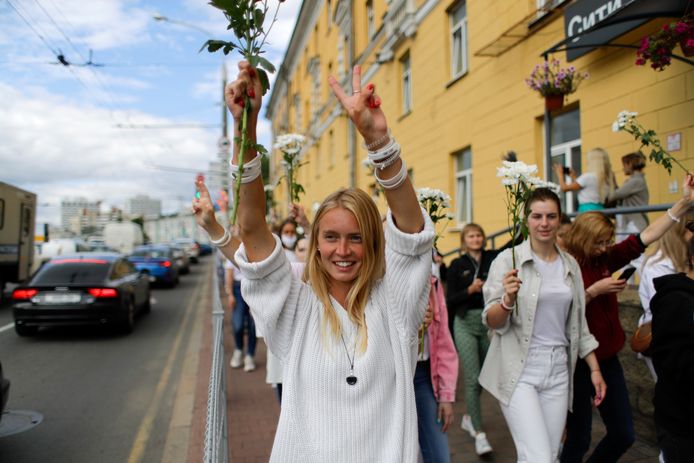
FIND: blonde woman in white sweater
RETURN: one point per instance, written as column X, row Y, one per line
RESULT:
column 347, row 331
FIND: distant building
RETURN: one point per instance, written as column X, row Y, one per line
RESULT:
column 73, row 209
column 143, row 206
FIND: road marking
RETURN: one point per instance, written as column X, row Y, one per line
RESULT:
column 145, row 430
column 7, row 327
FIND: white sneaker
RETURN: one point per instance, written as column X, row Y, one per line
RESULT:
column 236, row 359
column 482, row 444
column 466, row 425
column 248, row 363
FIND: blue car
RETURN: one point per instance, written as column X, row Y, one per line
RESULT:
column 158, row 262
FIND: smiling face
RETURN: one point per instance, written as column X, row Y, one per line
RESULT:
column 340, row 246
column 543, row 221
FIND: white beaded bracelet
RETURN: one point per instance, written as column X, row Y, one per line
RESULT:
column 223, row 241
column 384, row 152
column 395, row 181
column 251, row 170
column 672, row 217
column 373, row 144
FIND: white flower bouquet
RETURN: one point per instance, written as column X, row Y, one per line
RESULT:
column 434, row 202
column 519, row 180
column 291, row 146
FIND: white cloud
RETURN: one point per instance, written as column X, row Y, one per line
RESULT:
column 56, row 148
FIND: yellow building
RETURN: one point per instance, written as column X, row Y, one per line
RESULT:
column 452, row 78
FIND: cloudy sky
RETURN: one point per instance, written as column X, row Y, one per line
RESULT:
column 103, row 131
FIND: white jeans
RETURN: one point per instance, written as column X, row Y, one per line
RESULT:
column 536, row 413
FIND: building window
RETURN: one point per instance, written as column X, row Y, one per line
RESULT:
column 565, row 142
column 463, row 186
column 458, row 19
column 370, row 24
column 406, row 83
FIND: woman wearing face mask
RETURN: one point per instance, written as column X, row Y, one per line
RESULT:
column 347, row 332
column 288, row 236
column 537, row 315
column 591, row 243
column 466, row 276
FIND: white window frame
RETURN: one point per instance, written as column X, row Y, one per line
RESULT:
column 463, row 179
column 406, row 82
column 565, row 150
column 460, row 26
column 370, row 19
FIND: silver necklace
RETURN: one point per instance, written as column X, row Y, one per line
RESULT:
column 351, row 379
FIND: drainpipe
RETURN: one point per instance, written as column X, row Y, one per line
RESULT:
column 351, row 130
column 548, row 141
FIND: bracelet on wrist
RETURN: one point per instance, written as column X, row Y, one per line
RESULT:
column 672, row 217
column 504, row 306
column 223, row 241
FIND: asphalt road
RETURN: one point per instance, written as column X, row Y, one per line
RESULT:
column 105, row 397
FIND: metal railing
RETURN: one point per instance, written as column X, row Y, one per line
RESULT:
column 491, row 238
column 216, row 447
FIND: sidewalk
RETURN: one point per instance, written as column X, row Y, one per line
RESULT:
column 253, row 413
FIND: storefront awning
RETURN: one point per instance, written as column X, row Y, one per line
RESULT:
column 591, row 24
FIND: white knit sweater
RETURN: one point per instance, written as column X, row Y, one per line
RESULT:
column 323, row 419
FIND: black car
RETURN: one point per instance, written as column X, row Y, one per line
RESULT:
column 4, row 391
column 81, row 289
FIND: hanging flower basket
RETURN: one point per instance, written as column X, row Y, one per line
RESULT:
column 657, row 48
column 553, row 82
column 554, row 102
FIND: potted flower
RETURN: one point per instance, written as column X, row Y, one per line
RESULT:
column 552, row 81
column 291, row 145
column 657, row 48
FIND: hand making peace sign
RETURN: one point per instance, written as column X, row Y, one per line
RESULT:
column 363, row 107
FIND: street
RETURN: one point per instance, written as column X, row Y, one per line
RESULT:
column 104, row 396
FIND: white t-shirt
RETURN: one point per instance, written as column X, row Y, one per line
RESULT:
column 589, row 192
column 553, row 304
column 229, row 265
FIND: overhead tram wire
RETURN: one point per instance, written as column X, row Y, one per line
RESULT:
column 40, row 36
column 67, row 38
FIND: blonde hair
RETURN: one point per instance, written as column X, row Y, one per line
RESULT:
column 586, row 231
column 467, row 229
column 598, row 163
column 373, row 262
column 672, row 245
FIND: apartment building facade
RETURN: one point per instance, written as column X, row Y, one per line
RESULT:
column 451, row 74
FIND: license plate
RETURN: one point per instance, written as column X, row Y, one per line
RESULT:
column 152, row 279
column 62, row 298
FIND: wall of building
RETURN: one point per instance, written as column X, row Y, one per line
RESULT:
column 489, row 109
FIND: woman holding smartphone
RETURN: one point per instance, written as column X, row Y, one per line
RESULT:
column 591, row 243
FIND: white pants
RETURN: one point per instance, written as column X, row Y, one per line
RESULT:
column 536, row 413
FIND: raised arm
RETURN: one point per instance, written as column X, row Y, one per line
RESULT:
column 255, row 235
column 363, row 108
column 663, row 223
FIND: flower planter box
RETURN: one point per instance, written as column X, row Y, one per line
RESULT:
column 686, row 50
column 554, row 102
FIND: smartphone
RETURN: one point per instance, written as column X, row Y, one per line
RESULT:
column 627, row 273
column 567, row 170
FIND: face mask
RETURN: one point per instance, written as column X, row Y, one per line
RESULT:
column 289, row 241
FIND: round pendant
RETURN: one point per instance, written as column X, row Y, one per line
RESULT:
column 351, row 380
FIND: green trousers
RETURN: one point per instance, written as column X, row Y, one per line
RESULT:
column 472, row 343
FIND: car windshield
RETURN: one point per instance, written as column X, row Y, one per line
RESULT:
column 72, row 273
column 150, row 253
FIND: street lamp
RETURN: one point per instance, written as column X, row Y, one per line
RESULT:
column 162, row 18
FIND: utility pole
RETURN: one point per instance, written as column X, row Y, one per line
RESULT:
column 224, row 145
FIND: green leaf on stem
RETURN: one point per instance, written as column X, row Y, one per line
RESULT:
column 264, row 81
column 214, row 45
column 265, row 64
column 258, row 18
column 260, row 149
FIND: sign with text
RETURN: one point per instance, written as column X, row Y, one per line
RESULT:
column 582, row 15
